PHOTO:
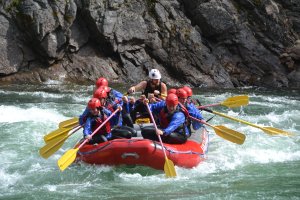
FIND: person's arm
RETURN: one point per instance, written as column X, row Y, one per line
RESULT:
column 139, row 87
column 177, row 120
column 194, row 112
column 83, row 116
column 164, row 91
column 87, row 129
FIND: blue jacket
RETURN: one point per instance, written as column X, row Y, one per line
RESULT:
column 178, row 119
column 194, row 112
column 86, row 113
column 90, row 122
column 127, row 107
column 116, row 95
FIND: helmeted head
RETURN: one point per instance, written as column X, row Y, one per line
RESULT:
column 182, row 95
column 172, row 91
column 154, row 74
column 105, row 88
column 101, row 82
column 94, row 103
column 172, row 102
column 188, row 91
column 100, row 93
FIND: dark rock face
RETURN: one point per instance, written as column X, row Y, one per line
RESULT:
column 206, row 43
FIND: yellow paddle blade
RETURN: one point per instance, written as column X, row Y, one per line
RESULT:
column 52, row 146
column 67, row 159
column 229, row 134
column 68, row 123
column 169, row 168
column 275, row 131
column 236, row 101
column 58, row 132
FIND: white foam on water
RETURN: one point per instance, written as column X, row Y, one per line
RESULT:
column 7, row 179
column 44, row 95
column 11, row 114
column 271, row 99
column 51, row 188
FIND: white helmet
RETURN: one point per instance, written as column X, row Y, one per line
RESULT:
column 154, row 74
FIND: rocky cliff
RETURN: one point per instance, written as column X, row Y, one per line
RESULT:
column 206, row 43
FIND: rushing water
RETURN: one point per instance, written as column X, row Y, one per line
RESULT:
column 264, row 167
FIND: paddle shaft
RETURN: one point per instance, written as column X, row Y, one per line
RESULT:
column 208, row 105
column 97, row 129
column 234, row 119
column 155, row 126
column 201, row 121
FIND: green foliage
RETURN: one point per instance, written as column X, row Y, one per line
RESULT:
column 13, row 4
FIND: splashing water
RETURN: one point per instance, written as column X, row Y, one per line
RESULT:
column 264, row 167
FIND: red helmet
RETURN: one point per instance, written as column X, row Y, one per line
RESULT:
column 172, row 100
column 100, row 93
column 94, row 103
column 188, row 91
column 181, row 93
column 101, row 82
column 172, row 91
column 105, row 88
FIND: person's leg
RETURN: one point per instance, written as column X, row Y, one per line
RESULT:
column 148, row 132
column 123, row 132
column 97, row 138
column 174, row 138
column 127, row 120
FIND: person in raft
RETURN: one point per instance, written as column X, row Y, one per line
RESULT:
column 152, row 88
column 109, row 95
column 113, row 95
column 172, row 122
column 94, row 120
column 119, row 130
column 191, row 108
column 127, row 108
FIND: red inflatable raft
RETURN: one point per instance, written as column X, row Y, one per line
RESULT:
column 139, row 151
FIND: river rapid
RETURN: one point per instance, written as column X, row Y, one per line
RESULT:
column 264, row 167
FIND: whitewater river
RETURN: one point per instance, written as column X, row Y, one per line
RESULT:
column 264, row 167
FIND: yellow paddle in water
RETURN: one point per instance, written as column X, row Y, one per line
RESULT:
column 63, row 130
column 169, row 167
column 54, row 144
column 231, row 102
column 68, row 123
column 68, row 158
column 58, row 133
column 224, row 132
column 268, row 130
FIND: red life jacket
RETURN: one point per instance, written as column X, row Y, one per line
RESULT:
column 165, row 118
column 99, row 120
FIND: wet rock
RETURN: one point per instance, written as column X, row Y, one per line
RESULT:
column 204, row 43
